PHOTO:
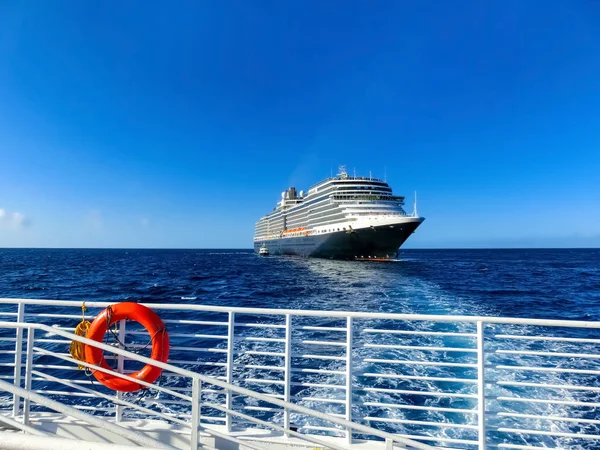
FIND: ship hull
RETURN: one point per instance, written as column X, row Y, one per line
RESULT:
column 377, row 241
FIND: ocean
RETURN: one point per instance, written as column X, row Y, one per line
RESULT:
column 528, row 283
column 535, row 283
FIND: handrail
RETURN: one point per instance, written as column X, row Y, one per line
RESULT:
column 321, row 313
column 205, row 379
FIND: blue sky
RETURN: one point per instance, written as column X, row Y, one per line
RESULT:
column 152, row 124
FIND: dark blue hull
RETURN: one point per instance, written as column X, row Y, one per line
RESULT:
column 381, row 241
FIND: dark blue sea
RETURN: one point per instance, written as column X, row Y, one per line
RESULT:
column 540, row 283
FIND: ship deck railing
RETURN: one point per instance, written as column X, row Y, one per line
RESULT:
column 25, row 397
column 342, row 378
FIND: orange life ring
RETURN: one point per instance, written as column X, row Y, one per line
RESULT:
column 158, row 335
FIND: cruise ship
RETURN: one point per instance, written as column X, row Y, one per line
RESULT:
column 341, row 217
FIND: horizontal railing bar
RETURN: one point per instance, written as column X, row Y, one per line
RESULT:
column 322, row 328
column 421, row 363
column 171, row 335
column 171, row 361
column 210, row 336
column 334, row 343
column 421, row 422
column 320, row 428
column 192, row 322
column 423, row 348
column 76, row 304
column 260, row 353
column 53, row 316
column 317, row 399
column 419, row 408
column 94, row 408
column 65, row 393
column 549, row 386
column 547, row 338
column 4, row 339
column 61, row 380
column 421, row 437
column 258, row 366
column 549, row 401
column 7, row 364
column 419, row 333
column 550, row 418
column 552, row 354
column 53, row 341
column 548, row 369
column 9, row 314
column 327, row 357
column 53, row 366
column 325, row 371
column 215, row 418
column 548, row 433
column 523, row 447
column 196, row 363
column 262, row 408
column 165, row 401
column 259, row 381
column 428, row 394
column 321, row 385
column 419, row 377
column 214, row 391
column 187, row 349
column 259, row 325
column 259, row 339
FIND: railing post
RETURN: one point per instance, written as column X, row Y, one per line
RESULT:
column 481, row 385
column 230, row 346
column 18, row 358
column 120, row 368
column 349, row 334
column 28, row 369
column 288, row 372
column 196, row 386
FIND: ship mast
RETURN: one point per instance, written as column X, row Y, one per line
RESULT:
column 415, row 214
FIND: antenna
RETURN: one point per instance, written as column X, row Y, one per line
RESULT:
column 355, row 172
column 385, row 174
column 415, row 206
column 370, row 177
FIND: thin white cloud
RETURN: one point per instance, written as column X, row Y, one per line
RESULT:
column 144, row 221
column 13, row 220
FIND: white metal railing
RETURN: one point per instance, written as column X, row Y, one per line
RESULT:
column 460, row 381
column 196, row 381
